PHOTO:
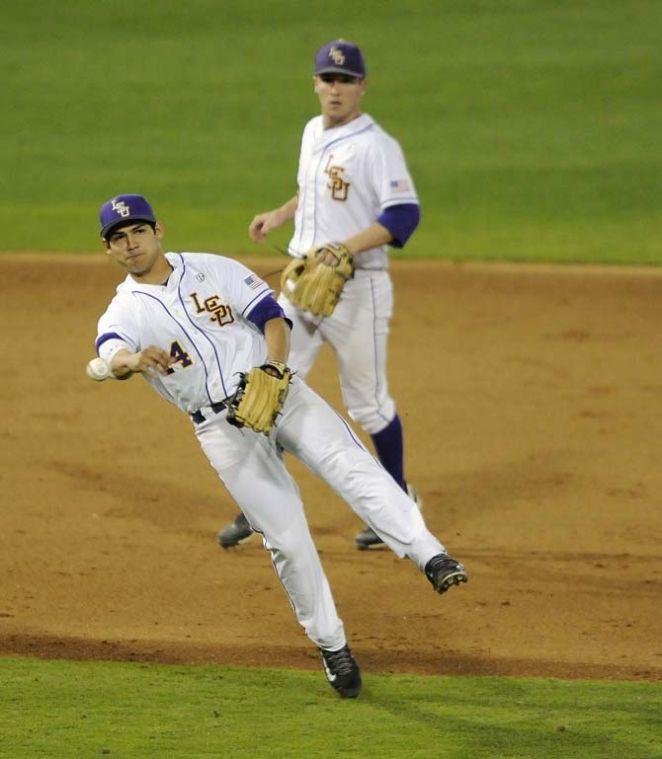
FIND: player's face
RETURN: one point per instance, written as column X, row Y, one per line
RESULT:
column 340, row 97
column 136, row 247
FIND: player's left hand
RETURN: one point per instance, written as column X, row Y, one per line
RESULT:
column 260, row 397
column 326, row 254
column 315, row 282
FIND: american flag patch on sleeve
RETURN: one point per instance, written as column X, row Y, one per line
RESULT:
column 252, row 281
column 400, row 185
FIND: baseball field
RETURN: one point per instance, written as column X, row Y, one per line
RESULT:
column 525, row 358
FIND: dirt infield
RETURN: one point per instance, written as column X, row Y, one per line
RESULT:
column 532, row 405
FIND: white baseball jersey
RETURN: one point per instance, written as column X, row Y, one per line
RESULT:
column 347, row 176
column 200, row 317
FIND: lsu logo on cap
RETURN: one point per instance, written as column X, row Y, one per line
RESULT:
column 337, row 55
column 121, row 208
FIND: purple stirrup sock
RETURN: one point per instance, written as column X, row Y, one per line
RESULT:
column 389, row 446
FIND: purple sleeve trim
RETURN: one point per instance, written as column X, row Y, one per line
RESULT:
column 401, row 221
column 105, row 337
column 267, row 309
column 256, row 298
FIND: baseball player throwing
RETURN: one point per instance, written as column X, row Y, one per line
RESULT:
column 208, row 336
column 355, row 196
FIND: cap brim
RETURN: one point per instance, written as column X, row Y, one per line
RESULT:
column 123, row 222
column 338, row 70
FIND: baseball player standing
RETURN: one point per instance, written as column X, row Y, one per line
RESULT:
column 208, row 336
column 354, row 188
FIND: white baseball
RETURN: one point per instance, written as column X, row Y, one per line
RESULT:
column 98, row 369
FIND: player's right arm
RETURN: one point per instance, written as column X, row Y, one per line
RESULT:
column 151, row 359
column 118, row 343
column 263, row 223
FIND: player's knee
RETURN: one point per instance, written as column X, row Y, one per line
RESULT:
column 373, row 418
column 288, row 545
column 293, row 558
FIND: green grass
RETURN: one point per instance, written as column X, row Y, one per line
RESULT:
column 531, row 127
column 73, row 709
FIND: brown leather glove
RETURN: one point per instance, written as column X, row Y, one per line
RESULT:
column 314, row 285
column 260, row 397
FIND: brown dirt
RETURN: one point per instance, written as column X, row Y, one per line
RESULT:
column 531, row 398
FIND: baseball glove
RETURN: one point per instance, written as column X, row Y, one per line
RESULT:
column 315, row 286
column 259, row 397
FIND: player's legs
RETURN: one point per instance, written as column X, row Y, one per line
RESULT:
column 358, row 331
column 311, row 430
column 251, row 469
column 389, row 446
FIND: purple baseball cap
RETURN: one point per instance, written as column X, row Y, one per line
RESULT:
column 122, row 209
column 340, row 57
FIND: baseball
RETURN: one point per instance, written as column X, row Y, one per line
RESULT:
column 98, row 369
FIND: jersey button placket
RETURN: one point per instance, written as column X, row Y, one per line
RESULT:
column 308, row 207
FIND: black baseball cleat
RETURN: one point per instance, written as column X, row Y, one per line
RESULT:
column 342, row 671
column 368, row 538
column 443, row 571
column 235, row 532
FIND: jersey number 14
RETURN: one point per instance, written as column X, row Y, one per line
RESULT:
column 180, row 356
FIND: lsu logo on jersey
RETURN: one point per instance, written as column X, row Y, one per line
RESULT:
column 220, row 313
column 337, row 183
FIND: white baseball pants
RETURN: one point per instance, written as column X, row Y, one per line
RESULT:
column 251, row 467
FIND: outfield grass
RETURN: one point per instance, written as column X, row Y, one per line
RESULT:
column 531, row 127
column 72, row 709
